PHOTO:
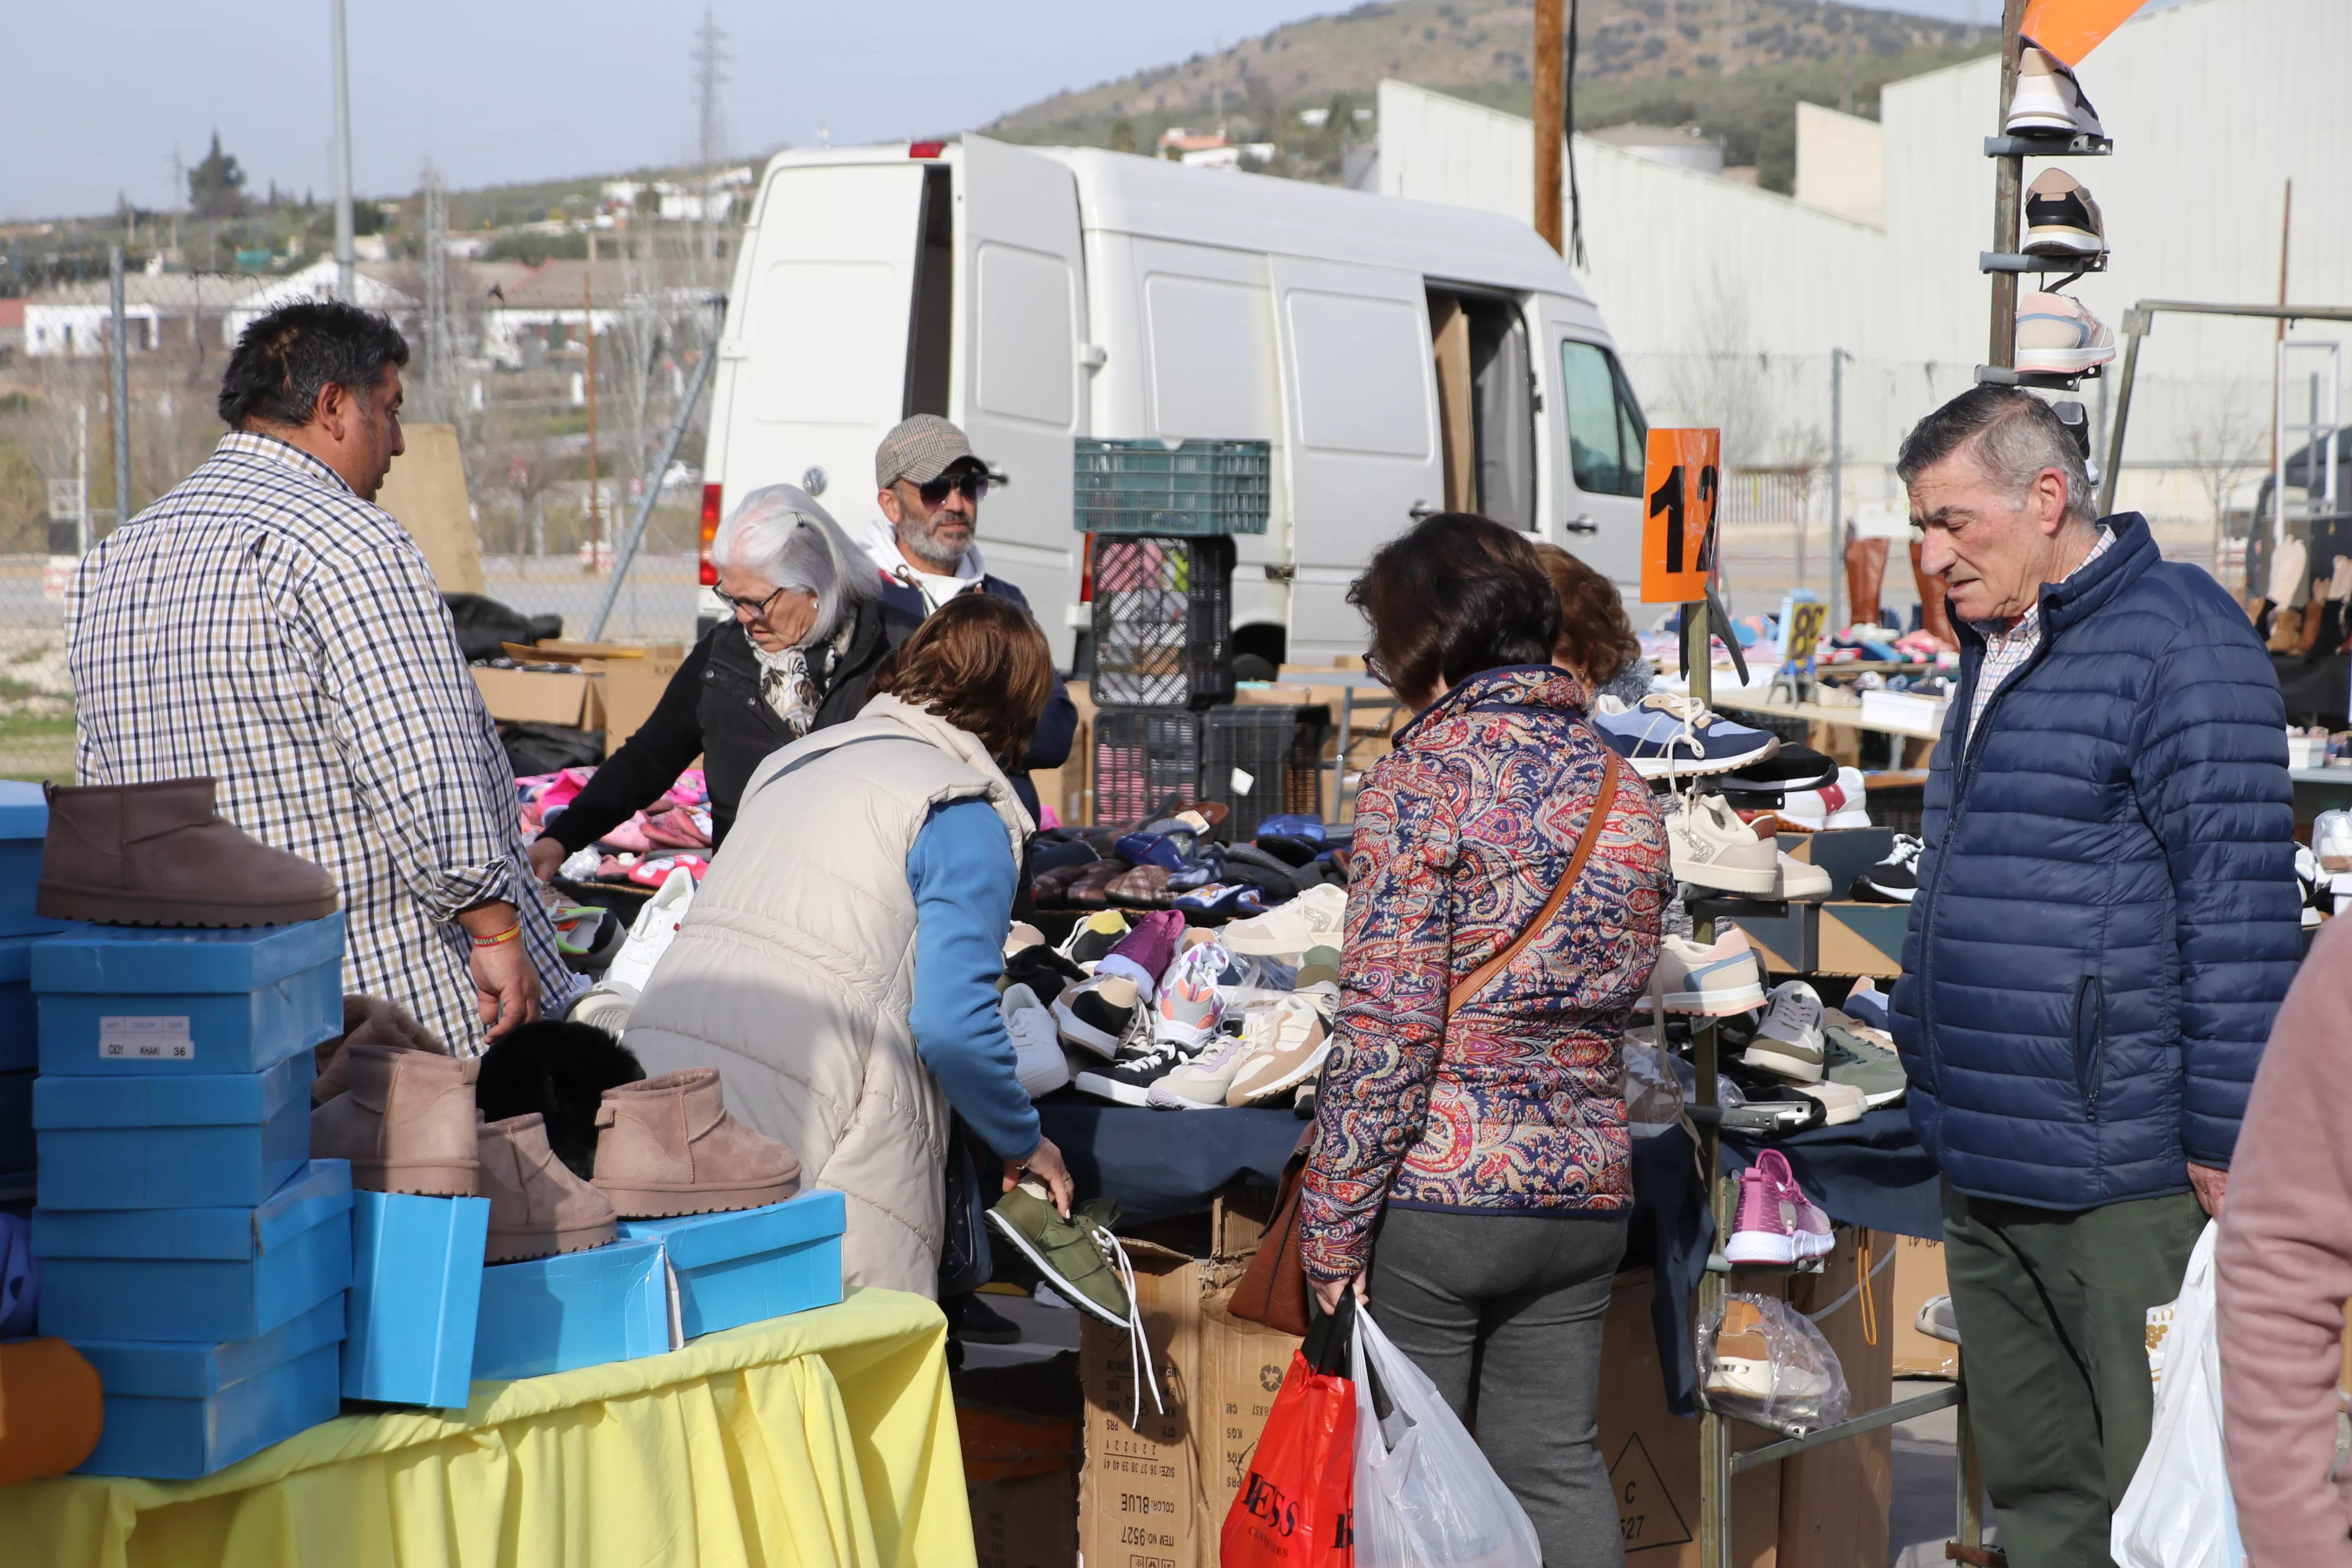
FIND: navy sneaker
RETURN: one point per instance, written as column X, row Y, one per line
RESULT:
column 1667, row 734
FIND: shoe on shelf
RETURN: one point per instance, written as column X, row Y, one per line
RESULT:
column 1189, row 1008
column 1776, row 1223
column 405, row 1121
column 2312, row 885
column 1145, row 953
column 1939, row 1322
column 1792, row 767
column 1866, row 1005
column 1293, row 1040
column 1102, row 1015
column 1667, row 734
column 1837, row 804
column 1316, row 918
column 1894, row 880
column 1715, row 981
column 1127, row 1079
column 1200, row 1084
column 1741, row 1364
column 1711, row 847
column 2061, row 218
column 1854, row 1059
column 2331, row 839
column 1802, row 883
column 2057, row 335
column 1091, row 940
column 668, row 1145
column 2049, row 101
column 1075, row 1254
column 1789, row 1041
column 1841, row 1103
column 1037, row 1059
column 160, row 854
column 538, row 1208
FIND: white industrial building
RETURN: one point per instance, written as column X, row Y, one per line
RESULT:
column 1728, row 299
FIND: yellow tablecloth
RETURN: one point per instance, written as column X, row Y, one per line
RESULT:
column 826, row 1437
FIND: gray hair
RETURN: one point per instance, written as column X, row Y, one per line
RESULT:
column 2012, row 434
column 780, row 533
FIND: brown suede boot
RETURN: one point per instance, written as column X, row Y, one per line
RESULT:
column 159, row 855
column 668, row 1147
column 368, row 1019
column 406, row 1123
column 538, row 1208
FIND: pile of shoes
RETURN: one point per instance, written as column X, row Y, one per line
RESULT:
column 674, row 833
column 1176, row 859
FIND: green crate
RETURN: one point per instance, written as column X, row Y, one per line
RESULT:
column 1184, row 489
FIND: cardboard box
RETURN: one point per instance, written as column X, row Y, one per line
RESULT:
column 629, row 688
column 1018, row 1428
column 1028, row 1522
column 424, row 491
column 1833, row 1500
column 1919, row 1274
column 567, row 697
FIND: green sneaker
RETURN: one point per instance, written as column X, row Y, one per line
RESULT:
column 1864, row 1064
column 1075, row 1254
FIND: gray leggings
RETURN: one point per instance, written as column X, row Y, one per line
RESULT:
column 1513, row 1304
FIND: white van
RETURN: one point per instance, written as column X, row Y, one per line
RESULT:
column 1401, row 357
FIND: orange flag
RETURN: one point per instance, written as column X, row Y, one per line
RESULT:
column 2073, row 28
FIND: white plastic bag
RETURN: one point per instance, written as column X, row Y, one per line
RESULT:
column 2176, row 1512
column 1425, row 1496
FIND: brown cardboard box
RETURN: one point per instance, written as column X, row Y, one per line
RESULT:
column 542, row 696
column 1029, row 1522
column 1244, row 1364
column 1017, row 1426
column 424, row 491
column 1833, row 1500
column 631, row 687
column 1919, row 1274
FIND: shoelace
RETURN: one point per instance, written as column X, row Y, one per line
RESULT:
column 1139, row 1343
column 1906, row 852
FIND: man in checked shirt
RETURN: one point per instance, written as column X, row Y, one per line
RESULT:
column 265, row 624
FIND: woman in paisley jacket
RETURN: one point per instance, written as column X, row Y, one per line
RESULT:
column 1470, row 1175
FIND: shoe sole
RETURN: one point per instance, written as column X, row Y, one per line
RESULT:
column 1813, row 895
column 1096, row 1084
column 673, row 1203
column 1892, row 895
column 100, row 906
column 1715, row 1004
column 432, row 1181
column 1795, row 1069
column 520, row 1247
column 1764, row 1247
column 2063, row 361
column 1062, row 1287
column 1726, row 879
column 1175, row 1101
column 2057, row 240
column 1655, row 768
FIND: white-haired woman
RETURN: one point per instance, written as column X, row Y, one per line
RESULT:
column 795, row 655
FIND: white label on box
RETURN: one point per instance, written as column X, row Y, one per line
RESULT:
column 145, row 1039
column 1243, row 782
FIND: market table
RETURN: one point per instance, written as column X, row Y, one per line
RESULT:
column 824, row 1437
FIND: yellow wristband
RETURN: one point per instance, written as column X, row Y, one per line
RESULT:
column 503, row 937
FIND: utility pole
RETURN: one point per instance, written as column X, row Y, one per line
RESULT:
column 119, row 353
column 2278, row 418
column 1837, row 484
column 709, row 60
column 2008, row 196
column 346, row 267
column 1551, row 99
column 595, row 481
column 440, row 380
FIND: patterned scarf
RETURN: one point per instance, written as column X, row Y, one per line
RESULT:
column 793, row 682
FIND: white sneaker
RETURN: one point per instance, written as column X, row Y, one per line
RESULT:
column 1316, row 918
column 1802, row 883
column 1838, row 804
column 1712, row 848
column 1789, row 1041
column 2057, row 335
column 1200, row 1084
column 2049, row 99
column 2331, row 840
column 1715, row 981
column 1037, row 1059
column 1293, row 1044
column 608, row 1004
column 1187, row 1009
column 1841, row 1103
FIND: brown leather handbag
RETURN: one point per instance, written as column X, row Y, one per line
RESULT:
column 1272, row 1289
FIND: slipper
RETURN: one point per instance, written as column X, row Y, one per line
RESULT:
column 655, row 869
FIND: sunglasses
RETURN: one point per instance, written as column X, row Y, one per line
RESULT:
column 973, row 486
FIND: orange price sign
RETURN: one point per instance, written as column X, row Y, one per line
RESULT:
column 1679, row 487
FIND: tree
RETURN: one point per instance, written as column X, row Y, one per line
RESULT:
column 217, row 185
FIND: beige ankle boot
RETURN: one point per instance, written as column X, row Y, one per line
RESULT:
column 159, row 855
column 538, row 1208
column 407, row 1122
column 669, row 1147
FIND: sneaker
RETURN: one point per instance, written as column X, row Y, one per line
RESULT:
column 1801, row 882
column 1841, row 1103
column 1091, row 940
column 1776, row 1222
column 1144, row 953
column 2331, row 839
column 1789, row 1042
column 1854, row 1059
column 1938, row 1320
column 1792, row 767
column 1320, row 967
column 1046, row 972
column 1741, row 1364
column 1200, row 1084
column 1102, row 1015
column 1837, row 804
column 1232, row 898
column 2049, row 101
column 656, row 869
column 2057, row 335
column 651, row 933
column 1037, row 1059
column 1189, row 1008
column 1712, row 848
column 2314, row 886
column 1894, row 880
column 1143, row 1061
column 2061, row 220
column 1316, row 918
column 1073, row 1255
column 1715, row 981
column 1667, row 734
column 1293, row 1041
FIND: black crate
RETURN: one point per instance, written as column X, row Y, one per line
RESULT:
column 1163, row 616
column 1143, row 757
column 1281, row 751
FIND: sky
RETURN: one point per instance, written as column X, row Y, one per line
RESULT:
column 494, row 90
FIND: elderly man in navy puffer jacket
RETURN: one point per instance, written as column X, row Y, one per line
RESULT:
column 2107, row 920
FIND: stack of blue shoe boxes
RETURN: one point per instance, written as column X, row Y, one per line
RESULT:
column 24, row 824
column 191, row 1248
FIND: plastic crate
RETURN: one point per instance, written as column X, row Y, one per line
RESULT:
column 1190, row 487
column 1261, row 761
column 1163, row 622
column 1143, row 756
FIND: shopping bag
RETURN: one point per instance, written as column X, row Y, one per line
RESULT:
column 1425, row 1496
column 1294, row 1507
column 2176, row 1512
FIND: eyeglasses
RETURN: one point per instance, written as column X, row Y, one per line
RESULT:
column 973, row 486
column 756, row 608
column 1372, row 667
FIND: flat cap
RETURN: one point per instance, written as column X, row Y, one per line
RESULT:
column 920, row 449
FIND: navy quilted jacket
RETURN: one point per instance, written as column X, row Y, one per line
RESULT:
column 2107, row 914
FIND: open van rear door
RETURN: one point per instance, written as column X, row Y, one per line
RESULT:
column 1592, row 493
column 1359, row 418
column 1018, row 384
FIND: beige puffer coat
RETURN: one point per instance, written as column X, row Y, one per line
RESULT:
column 795, row 969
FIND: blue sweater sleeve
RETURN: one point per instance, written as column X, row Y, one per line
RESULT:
column 962, row 876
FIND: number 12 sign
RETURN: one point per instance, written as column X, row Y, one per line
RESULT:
column 1679, row 488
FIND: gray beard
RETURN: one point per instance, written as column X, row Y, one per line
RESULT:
column 925, row 550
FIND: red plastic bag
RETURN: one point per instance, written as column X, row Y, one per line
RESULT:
column 1296, row 1505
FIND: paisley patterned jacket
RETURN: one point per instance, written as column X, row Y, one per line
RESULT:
column 1518, row 1105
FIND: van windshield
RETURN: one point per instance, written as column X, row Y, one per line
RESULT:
column 1606, row 432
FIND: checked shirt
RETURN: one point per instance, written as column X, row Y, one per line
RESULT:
column 264, row 625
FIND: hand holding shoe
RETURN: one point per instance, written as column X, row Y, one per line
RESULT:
column 1044, row 1163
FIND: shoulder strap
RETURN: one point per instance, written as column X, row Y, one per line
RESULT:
column 1478, row 978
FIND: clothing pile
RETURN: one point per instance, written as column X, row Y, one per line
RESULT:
column 642, row 851
column 1173, row 861
column 1152, row 1014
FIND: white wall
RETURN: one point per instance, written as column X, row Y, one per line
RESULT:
column 1842, row 163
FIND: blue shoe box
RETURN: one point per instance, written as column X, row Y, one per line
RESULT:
column 416, row 1288
column 117, row 1000
column 736, row 1268
column 16, row 1150
column 20, row 1019
column 575, row 1309
column 24, row 828
column 208, row 1275
column 175, row 1412
column 215, row 1140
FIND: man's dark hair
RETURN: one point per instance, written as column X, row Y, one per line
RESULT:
column 1452, row 595
column 2016, row 436
column 288, row 357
